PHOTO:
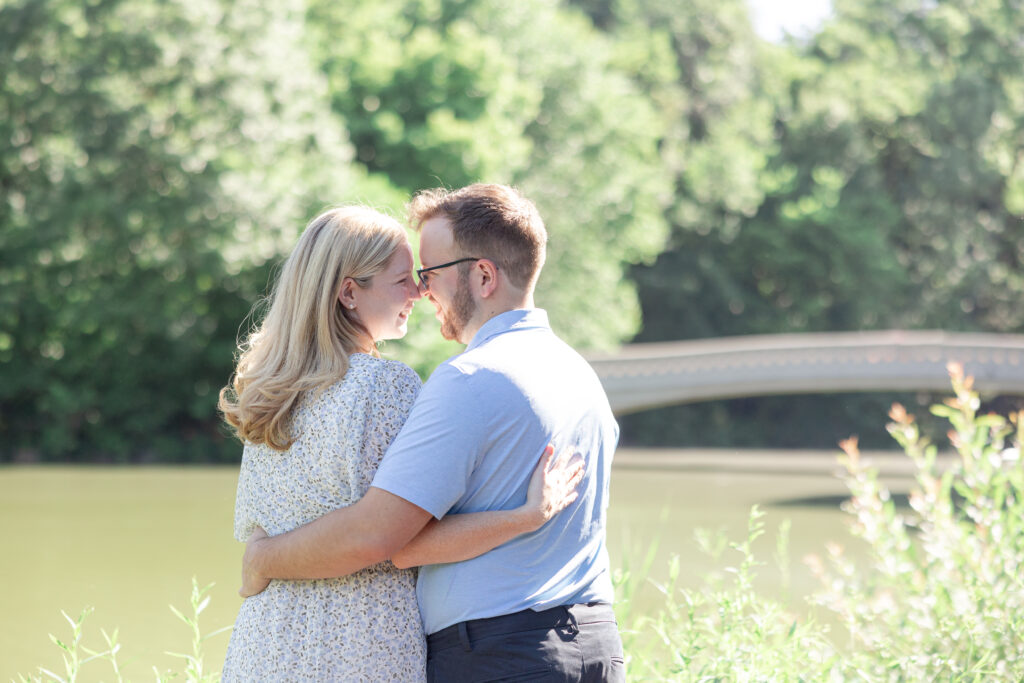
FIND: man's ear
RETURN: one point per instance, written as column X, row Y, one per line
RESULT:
column 487, row 273
column 347, row 293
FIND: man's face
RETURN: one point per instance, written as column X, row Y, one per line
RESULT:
column 448, row 288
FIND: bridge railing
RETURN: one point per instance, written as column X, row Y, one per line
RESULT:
column 642, row 376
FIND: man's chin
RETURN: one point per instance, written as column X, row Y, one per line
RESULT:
column 448, row 331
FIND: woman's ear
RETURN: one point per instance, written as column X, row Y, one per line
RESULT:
column 347, row 293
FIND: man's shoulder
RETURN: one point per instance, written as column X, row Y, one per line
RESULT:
column 509, row 355
column 457, row 376
column 536, row 346
column 462, row 367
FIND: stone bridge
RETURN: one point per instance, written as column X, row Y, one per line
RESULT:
column 642, row 376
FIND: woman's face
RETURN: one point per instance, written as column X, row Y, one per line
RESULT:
column 384, row 306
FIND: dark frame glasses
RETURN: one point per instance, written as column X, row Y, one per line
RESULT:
column 426, row 283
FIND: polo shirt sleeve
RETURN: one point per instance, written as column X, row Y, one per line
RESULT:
column 433, row 457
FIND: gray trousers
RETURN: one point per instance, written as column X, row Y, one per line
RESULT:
column 567, row 643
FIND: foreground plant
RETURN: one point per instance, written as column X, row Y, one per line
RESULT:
column 723, row 631
column 73, row 651
column 943, row 597
column 76, row 654
column 194, row 666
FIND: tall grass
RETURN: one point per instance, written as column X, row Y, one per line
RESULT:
column 940, row 597
column 75, row 654
column 723, row 630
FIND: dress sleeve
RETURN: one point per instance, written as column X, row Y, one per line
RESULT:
column 245, row 524
column 392, row 394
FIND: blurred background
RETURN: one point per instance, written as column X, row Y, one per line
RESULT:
column 158, row 160
column 705, row 169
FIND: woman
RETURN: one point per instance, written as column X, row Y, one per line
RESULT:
column 316, row 408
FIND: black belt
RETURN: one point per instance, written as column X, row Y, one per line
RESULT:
column 563, row 616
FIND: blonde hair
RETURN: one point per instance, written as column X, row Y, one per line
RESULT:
column 306, row 338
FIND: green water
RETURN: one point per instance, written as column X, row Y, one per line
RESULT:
column 128, row 540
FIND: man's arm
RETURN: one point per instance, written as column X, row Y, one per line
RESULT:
column 339, row 543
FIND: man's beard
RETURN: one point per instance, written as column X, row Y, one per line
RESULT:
column 455, row 319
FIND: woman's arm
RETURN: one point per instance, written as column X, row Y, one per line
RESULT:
column 461, row 537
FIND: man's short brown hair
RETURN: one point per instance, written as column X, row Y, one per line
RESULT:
column 489, row 221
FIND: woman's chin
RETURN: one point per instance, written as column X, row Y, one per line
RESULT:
column 398, row 333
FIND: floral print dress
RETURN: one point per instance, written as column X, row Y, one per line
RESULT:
column 362, row 627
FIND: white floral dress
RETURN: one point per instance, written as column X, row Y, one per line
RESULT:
column 362, row 627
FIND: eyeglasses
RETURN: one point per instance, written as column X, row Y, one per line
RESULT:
column 425, row 281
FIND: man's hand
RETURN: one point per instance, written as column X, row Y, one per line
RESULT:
column 252, row 582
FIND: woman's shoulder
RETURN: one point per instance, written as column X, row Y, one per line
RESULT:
column 379, row 370
column 368, row 380
column 369, row 376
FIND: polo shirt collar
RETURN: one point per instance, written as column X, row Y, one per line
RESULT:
column 517, row 319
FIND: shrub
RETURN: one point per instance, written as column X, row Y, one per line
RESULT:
column 724, row 630
column 943, row 597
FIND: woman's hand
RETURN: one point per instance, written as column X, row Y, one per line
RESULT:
column 553, row 486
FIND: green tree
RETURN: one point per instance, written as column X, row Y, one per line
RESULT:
column 949, row 150
column 157, row 158
column 885, row 196
column 164, row 156
column 890, row 193
column 449, row 93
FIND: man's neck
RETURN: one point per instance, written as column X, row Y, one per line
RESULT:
column 492, row 308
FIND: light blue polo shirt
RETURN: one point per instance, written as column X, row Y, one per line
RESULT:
column 476, row 431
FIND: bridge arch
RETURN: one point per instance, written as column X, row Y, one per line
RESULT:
column 641, row 376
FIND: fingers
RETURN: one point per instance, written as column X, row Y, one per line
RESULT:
column 540, row 471
column 252, row 586
column 575, row 475
column 546, row 456
column 251, row 583
column 555, row 480
column 570, row 465
column 567, row 453
column 565, row 476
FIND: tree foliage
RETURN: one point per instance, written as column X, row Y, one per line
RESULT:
column 159, row 155
column 885, row 196
column 157, row 159
column 449, row 93
column 164, row 156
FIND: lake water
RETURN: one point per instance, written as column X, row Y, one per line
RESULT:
column 128, row 541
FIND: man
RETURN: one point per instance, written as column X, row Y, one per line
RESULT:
column 541, row 602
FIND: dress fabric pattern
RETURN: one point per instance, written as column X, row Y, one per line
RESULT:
column 362, row 627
